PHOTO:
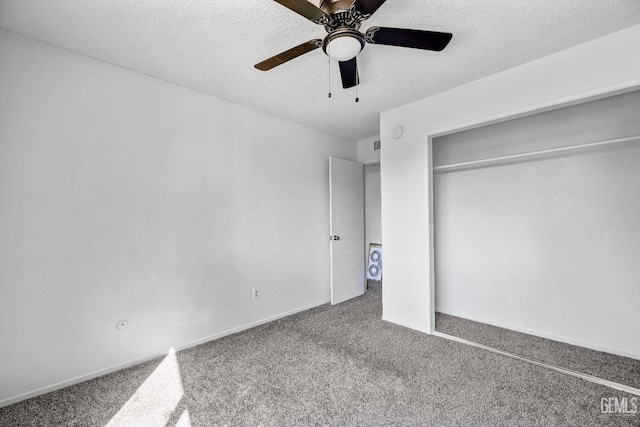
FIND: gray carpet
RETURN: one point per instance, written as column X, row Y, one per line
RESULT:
column 620, row 369
column 337, row 365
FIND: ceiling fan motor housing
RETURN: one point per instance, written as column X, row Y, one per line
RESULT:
column 343, row 22
column 341, row 14
column 332, row 6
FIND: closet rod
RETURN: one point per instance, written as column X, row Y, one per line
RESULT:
column 531, row 154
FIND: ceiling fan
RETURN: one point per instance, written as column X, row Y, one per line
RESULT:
column 342, row 19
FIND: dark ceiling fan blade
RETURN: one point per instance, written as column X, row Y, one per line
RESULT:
column 306, row 9
column 349, row 73
column 368, row 7
column 417, row 39
column 288, row 55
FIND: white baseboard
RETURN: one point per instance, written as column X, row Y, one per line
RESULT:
column 248, row 326
column 120, row 366
column 537, row 333
column 586, row 377
column 406, row 324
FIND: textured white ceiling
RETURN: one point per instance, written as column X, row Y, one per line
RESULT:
column 211, row 46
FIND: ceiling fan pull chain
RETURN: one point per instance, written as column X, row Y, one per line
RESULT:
column 329, row 75
column 357, row 84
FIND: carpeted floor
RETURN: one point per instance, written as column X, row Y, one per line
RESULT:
column 620, row 369
column 337, row 365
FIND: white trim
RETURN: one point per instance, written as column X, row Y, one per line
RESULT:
column 531, row 154
column 120, row 366
column 405, row 324
column 540, row 107
column 586, row 377
column 430, row 229
column 544, row 335
column 331, row 292
column 249, row 326
column 371, row 162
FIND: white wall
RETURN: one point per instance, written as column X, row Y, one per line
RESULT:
column 605, row 65
column 122, row 196
column 372, row 205
column 366, row 153
column 549, row 245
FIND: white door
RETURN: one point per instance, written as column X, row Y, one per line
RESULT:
column 346, row 201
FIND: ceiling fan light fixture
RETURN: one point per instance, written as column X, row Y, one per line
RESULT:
column 344, row 48
column 343, row 45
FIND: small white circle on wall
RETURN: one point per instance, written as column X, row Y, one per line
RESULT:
column 397, row 132
column 122, row 324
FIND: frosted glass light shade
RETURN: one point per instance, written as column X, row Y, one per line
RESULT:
column 344, row 48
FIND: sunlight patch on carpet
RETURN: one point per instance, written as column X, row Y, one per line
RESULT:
column 156, row 399
column 184, row 420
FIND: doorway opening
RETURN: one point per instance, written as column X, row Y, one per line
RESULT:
column 373, row 225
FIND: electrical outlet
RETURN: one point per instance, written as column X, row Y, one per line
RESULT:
column 255, row 293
